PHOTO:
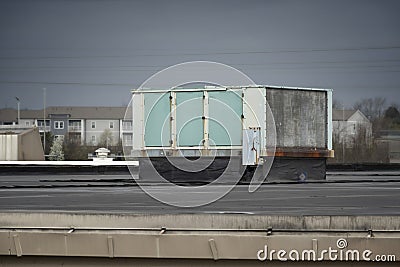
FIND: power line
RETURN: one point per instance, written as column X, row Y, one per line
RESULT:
column 131, row 85
column 234, row 64
column 209, row 53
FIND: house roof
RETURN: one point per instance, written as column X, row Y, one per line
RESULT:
column 8, row 115
column 88, row 112
column 12, row 129
column 73, row 112
column 342, row 115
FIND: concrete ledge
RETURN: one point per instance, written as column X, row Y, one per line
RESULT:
column 215, row 237
column 193, row 245
column 198, row 237
column 197, row 221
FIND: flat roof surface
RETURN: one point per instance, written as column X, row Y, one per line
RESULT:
column 345, row 193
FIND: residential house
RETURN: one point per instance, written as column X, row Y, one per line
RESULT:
column 351, row 127
column 85, row 125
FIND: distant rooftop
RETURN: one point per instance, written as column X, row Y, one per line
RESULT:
column 342, row 115
column 7, row 115
column 13, row 129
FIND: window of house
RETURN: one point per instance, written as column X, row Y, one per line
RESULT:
column 40, row 123
column 93, row 125
column 27, row 123
column 127, row 125
column 352, row 129
column 93, row 139
column 111, row 125
column 58, row 125
column 127, row 138
column 74, row 125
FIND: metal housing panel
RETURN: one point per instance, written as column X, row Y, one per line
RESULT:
column 251, row 146
column 254, row 112
column 157, row 119
column 300, row 117
column 189, row 122
column 225, row 118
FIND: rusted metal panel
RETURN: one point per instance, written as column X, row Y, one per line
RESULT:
column 300, row 117
column 302, row 153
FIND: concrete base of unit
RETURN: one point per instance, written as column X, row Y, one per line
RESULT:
column 286, row 169
column 184, row 170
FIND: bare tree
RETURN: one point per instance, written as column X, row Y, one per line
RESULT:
column 106, row 138
column 336, row 104
column 373, row 108
column 358, row 148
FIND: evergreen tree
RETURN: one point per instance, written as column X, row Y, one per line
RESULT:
column 56, row 150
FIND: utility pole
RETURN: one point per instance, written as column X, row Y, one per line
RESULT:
column 18, row 102
column 344, row 127
column 44, row 120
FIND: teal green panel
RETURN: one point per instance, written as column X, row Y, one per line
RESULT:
column 189, row 123
column 157, row 114
column 225, row 112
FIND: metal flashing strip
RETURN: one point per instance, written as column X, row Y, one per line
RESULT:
column 225, row 88
column 151, row 90
column 163, row 230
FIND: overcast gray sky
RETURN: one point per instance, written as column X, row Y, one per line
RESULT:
column 93, row 52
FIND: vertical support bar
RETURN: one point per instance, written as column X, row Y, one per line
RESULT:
column 329, row 119
column 110, row 243
column 120, row 129
column 315, row 245
column 44, row 121
column 173, row 120
column 83, row 137
column 134, row 122
column 17, row 244
column 138, row 120
column 205, row 120
column 213, row 247
column 142, row 122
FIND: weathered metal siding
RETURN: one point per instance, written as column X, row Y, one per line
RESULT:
column 8, row 147
column 30, row 146
column 26, row 145
column 300, row 117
